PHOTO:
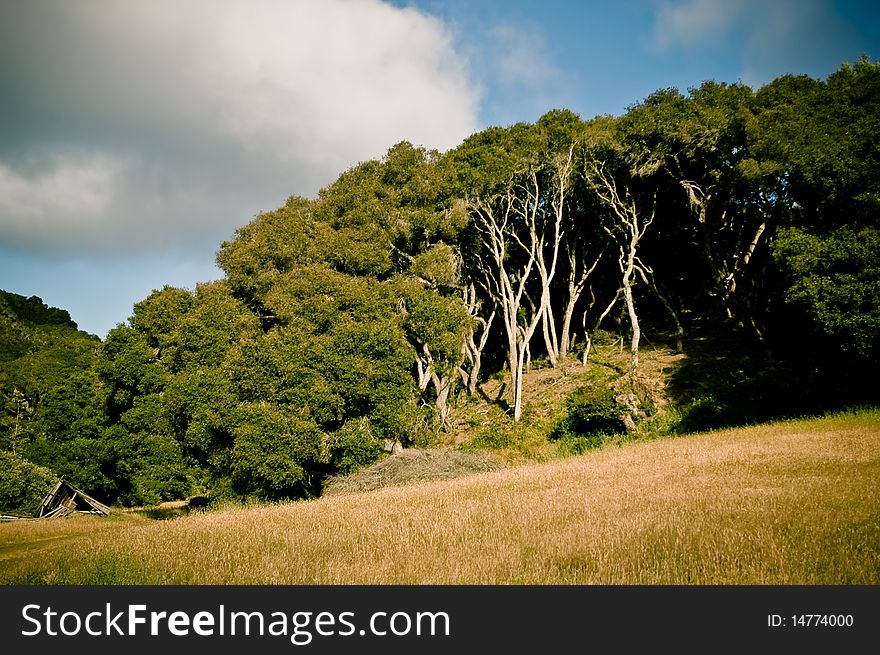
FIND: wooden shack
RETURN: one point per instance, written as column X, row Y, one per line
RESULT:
column 65, row 499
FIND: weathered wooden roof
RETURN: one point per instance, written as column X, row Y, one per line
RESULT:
column 65, row 499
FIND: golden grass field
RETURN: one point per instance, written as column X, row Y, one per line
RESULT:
column 790, row 503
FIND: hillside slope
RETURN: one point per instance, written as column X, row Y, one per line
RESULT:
column 791, row 503
column 481, row 435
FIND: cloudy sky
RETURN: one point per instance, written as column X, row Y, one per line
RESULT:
column 135, row 136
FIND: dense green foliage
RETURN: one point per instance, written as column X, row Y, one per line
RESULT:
column 588, row 416
column 23, row 485
column 350, row 322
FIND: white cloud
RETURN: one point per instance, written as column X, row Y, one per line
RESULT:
column 218, row 109
column 695, row 22
column 57, row 193
column 336, row 80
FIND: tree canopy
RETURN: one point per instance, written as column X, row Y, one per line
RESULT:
column 347, row 324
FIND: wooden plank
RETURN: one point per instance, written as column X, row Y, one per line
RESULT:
column 10, row 517
column 66, row 495
column 99, row 506
column 50, row 498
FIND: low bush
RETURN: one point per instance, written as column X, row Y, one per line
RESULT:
column 526, row 439
column 354, row 446
column 23, row 485
column 588, row 416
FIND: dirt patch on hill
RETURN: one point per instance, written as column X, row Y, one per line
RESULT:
column 411, row 465
column 545, row 390
column 655, row 369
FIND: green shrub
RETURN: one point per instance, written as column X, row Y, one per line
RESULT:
column 354, row 446
column 23, row 485
column 495, row 437
column 590, row 416
column 525, row 439
column 706, row 413
column 660, row 423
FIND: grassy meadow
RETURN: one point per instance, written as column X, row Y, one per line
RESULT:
column 788, row 503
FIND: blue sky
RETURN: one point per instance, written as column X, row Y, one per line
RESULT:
column 137, row 136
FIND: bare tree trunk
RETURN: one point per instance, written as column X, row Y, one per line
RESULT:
column 518, row 386
column 627, row 229
column 473, row 347
column 727, row 272
column 577, row 282
column 546, row 263
column 647, row 275
column 443, row 385
column 550, row 339
column 626, row 285
column 566, row 340
column 587, row 335
column 507, row 286
column 424, row 366
column 562, row 169
column 443, row 381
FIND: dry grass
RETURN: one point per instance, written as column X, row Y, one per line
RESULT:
column 794, row 503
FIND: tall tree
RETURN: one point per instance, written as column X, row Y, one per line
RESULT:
column 613, row 173
column 514, row 232
column 558, row 143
